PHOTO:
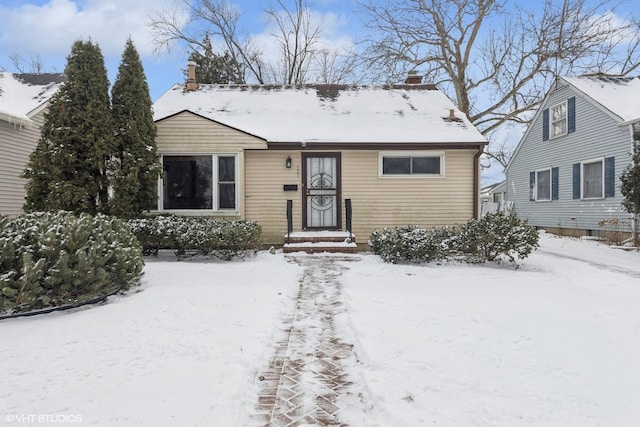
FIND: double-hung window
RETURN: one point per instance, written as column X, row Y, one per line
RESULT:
column 415, row 164
column 593, row 179
column 199, row 182
column 559, row 119
column 543, row 185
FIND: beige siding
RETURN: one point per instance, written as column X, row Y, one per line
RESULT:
column 265, row 198
column 16, row 145
column 389, row 202
column 377, row 202
column 189, row 133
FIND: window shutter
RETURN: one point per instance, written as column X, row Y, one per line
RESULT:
column 554, row 183
column 571, row 114
column 576, row 180
column 532, row 186
column 545, row 124
column 609, row 177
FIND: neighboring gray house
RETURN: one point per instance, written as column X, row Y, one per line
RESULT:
column 564, row 175
column 23, row 101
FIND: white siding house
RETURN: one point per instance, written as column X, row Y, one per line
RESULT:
column 564, row 175
column 23, row 102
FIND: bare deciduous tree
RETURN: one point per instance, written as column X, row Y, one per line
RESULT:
column 495, row 58
column 297, row 37
column 30, row 63
column 295, row 31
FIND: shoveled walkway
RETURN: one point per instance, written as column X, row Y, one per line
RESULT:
column 306, row 383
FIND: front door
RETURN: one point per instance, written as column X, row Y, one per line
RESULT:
column 322, row 190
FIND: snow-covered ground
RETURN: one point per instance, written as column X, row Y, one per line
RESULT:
column 553, row 343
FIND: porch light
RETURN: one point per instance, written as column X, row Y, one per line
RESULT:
column 288, row 162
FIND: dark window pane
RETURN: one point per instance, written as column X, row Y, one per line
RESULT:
column 396, row 166
column 592, row 180
column 544, row 185
column 428, row 165
column 227, row 196
column 187, row 182
column 226, row 169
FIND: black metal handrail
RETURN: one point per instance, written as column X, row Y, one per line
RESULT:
column 289, row 219
column 348, row 217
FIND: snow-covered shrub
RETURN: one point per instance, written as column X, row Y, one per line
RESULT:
column 158, row 232
column 53, row 259
column 480, row 240
column 225, row 239
column 410, row 244
column 495, row 235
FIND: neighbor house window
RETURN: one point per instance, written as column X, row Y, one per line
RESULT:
column 543, row 185
column 199, row 182
column 411, row 164
column 559, row 119
column 592, row 179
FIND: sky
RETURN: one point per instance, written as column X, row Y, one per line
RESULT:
column 54, row 25
column 48, row 28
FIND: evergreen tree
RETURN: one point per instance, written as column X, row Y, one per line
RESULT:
column 136, row 165
column 630, row 187
column 215, row 69
column 69, row 168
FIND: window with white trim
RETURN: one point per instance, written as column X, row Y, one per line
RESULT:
column 593, row 179
column 415, row 164
column 199, row 182
column 558, row 119
column 543, row 185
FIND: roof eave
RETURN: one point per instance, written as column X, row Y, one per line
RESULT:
column 16, row 120
column 391, row 145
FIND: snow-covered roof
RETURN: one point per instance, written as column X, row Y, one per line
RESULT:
column 619, row 95
column 23, row 93
column 327, row 113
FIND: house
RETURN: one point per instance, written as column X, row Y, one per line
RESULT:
column 390, row 155
column 494, row 193
column 23, row 102
column 564, row 175
column 493, row 198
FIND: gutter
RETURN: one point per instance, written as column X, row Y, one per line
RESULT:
column 16, row 120
column 476, row 182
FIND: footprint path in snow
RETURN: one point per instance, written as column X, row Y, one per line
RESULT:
column 305, row 382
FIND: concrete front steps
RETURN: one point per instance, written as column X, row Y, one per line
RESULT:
column 313, row 242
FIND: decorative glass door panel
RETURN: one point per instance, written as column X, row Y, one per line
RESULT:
column 322, row 191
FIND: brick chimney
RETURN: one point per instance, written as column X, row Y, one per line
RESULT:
column 191, row 77
column 413, row 78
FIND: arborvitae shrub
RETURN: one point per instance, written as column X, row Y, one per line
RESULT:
column 54, row 259
column 487, row 239
column 225, row 239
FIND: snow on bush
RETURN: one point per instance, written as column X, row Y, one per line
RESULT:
column 487, row 239
column 225, row 239
column 54, row 259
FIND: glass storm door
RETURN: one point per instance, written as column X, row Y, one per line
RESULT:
column 322, row 184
